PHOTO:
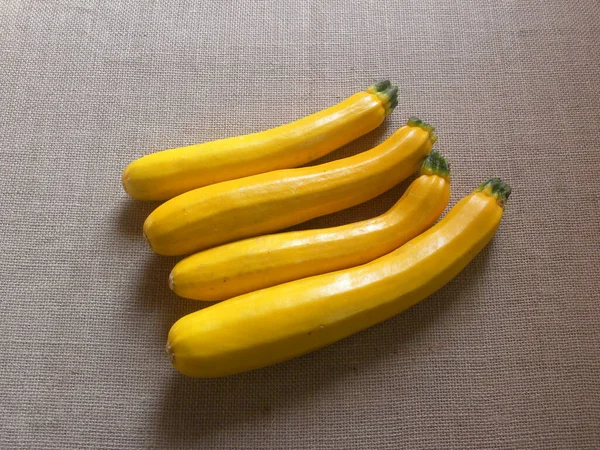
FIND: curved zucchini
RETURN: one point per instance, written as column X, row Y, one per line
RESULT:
column 268, row 202
column 278, row 323
column 245, row 266
column 165, row 174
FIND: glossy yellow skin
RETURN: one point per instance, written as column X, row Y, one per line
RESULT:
column 278, row 323
column 268, row 202
column 163, row 175
column 245, row 266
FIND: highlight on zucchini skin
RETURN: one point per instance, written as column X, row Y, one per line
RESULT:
column 269, row 202
column 165, row 174
column 275, row 324
column 240, row 267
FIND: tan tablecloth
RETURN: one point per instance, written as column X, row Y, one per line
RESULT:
column 506, row 356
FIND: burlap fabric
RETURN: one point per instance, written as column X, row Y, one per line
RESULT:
column 506, row 356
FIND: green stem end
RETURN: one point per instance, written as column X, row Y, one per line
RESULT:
column 436, row 164
column 416, row 122
column 387, row 93
column 495, row 187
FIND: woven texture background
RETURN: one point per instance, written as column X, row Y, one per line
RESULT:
column 506, row 356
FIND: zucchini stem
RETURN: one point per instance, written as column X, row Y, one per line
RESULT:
column 436, row 164
column 495, row 187
column 387, row 93
column 414, row 121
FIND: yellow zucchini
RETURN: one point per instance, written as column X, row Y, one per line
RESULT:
column 244, row 266
column 163, row 175
column 281, row 322
column 268, row 202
